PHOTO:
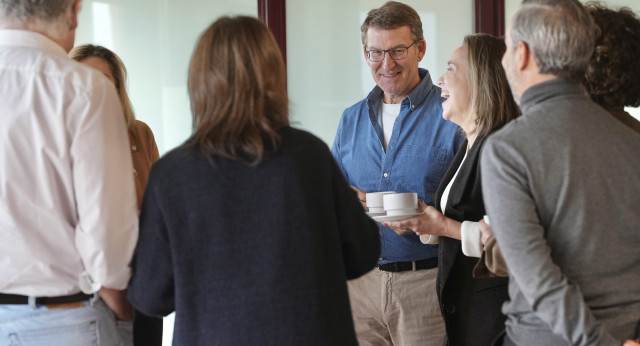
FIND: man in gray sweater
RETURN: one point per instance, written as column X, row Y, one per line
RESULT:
column 561, row 189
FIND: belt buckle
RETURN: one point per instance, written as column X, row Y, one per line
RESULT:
column 413, row 266
column 72, row 305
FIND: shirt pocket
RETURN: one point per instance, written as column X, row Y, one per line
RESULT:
column 422, row 169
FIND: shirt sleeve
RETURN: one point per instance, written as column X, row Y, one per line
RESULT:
column 154, row 153
column 521, row 237
column 107, row 228
column 470, row 237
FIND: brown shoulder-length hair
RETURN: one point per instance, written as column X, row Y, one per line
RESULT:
column 118, row 70
column 237, row 86
column 491, row 97
column 613, row 73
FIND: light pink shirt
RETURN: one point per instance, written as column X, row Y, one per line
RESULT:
column 67, row 205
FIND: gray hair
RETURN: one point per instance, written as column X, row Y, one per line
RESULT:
column 39, row 10
column 393, row 15
column 560, row 34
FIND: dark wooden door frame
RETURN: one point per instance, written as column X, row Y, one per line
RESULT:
column 488, row 18
column 274, row 14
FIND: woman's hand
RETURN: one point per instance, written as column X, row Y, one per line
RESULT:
column 485, row 231
column 631, row 343
column 429, row 221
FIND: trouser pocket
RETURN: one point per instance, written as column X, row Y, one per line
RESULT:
column 79, row 334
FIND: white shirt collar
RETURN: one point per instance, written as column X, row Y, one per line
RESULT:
column 26, row 38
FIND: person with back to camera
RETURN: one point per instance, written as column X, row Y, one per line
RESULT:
column 249, row 231
column 144, row 152
column 478, row 100
column 396, row 140
column 614, row 69
column 68, row 219
column 558, row 185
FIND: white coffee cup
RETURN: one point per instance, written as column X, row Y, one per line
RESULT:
column 400, row 203
column 374, row 201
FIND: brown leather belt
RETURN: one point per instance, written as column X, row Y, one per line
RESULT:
column 70, row 301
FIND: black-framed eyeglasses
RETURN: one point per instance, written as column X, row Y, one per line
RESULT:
column 397, row 53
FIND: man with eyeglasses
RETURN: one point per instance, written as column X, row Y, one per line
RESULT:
column 396, row 140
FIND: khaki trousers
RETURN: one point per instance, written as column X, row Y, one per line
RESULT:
column 397, row 308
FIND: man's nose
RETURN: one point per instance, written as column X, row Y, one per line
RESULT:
column 387, row 61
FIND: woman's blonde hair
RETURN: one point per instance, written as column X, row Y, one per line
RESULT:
column 491, row 99
column 238, row 92
column 118, row 70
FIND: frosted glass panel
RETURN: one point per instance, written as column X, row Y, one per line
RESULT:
column 155, row 40
column 326, row 66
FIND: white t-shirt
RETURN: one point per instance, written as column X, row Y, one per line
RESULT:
column 389, row 114
column 68, row 216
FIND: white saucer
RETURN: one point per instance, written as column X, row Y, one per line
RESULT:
column 375, row 214
column 384, row 218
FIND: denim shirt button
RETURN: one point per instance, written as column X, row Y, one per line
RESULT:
column 386, row 175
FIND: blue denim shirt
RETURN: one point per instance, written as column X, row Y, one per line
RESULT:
column 419, row 152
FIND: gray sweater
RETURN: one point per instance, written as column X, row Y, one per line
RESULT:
column 561, row 189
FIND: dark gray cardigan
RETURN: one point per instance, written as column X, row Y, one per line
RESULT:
column 253, row 255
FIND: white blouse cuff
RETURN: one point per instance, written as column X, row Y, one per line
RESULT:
column 470, row 237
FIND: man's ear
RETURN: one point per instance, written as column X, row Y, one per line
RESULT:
column 523, row 57
column 422, row 49
column 74, row 17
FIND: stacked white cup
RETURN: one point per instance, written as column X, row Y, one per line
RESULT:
column 375, row 203
column 400, row 203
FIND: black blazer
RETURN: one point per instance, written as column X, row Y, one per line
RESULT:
column 471, row 307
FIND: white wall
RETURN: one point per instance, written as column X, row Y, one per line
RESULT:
column 155, row 40
column 511, row 6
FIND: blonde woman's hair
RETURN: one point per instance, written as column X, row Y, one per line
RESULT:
column 491, row 97
column 118, row 70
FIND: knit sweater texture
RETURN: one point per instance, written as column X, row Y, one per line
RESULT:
column 252, row 255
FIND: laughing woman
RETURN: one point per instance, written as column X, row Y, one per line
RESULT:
column 478, row 99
